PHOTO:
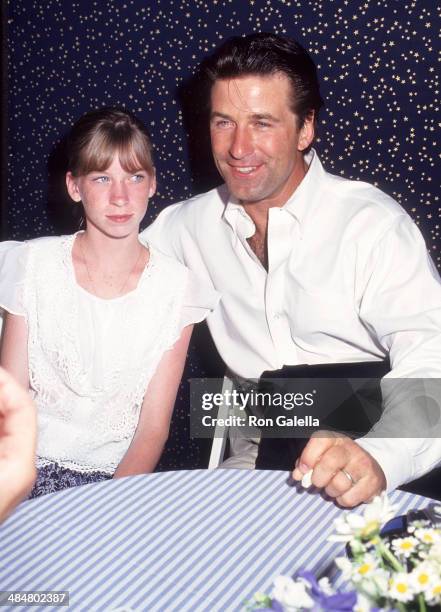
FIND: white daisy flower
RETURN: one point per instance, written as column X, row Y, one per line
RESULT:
column 423, row 577
column 367, row 575
column 291, row 595
column 433, row 594
column 380, row 509
column 400, row 587
column 375, row 586
column 404, row 547
column 347, row 527
column 365, row 569
column 428, row 536
column 367, row 525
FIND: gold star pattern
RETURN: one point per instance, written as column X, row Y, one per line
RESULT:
column 377, row 63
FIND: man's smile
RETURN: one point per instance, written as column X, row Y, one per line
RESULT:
column 244, row 170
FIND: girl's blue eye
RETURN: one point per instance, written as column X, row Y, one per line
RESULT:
column 101, row 179
column 137, row 178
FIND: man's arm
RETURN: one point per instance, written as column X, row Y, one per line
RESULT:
column 401, row 307
column 163, row 233
column 152, row 431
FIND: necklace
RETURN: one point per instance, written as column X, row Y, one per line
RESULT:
column 120, row 291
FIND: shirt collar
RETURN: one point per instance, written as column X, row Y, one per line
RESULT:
column 297, row 205
column 300, row 202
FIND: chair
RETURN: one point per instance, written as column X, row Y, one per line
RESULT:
column 221, row 432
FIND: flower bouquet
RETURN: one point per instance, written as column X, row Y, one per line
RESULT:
column 400, row 573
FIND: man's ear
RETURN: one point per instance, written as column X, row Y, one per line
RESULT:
column 72, row 187
column 307, row 132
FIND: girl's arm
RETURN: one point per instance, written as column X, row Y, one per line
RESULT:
column 18, row 433
column 154, row 421
column 14, row 348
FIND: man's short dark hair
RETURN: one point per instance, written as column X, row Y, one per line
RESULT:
column 268, row 54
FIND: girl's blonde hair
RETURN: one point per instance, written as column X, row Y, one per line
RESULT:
column 98, row 135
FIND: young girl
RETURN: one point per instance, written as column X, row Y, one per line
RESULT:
column 98, row 323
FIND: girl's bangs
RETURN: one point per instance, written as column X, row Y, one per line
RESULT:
column 133, row 152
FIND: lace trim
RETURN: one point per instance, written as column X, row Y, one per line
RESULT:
column 78, row 467
column 59, row 370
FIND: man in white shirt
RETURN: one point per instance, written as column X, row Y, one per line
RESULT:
column 312, row 268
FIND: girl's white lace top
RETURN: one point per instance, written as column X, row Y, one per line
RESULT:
column 91, row 359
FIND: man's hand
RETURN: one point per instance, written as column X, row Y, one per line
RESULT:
column 18, row 432
column 343, row 469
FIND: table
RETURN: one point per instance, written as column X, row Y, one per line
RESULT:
column 198, row 540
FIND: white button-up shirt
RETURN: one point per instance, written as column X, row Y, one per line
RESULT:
column 349, row 279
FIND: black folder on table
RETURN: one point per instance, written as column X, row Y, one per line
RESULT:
column 353, row 404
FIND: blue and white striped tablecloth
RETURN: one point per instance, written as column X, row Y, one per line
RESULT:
column 185, row 541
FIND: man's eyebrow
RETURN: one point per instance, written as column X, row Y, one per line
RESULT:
column 254, row 116
column 265, row 116
column 214, row 114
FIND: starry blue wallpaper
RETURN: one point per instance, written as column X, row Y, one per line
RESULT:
column 378, row 62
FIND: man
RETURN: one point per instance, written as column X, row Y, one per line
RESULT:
column 18, row 434
column 313, row 269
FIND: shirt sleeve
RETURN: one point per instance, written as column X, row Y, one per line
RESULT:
column 403, row 459
column 163, row 235
column 401, row 302
column 199, row 300
column 13, row 257
column 402, row 306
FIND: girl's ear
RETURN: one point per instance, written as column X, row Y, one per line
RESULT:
column 72, row 187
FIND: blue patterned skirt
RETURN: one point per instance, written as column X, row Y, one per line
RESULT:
column 54, row 477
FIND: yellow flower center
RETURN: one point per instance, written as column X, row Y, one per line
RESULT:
column 401, row 587
column 437, row 590
column 406, row 545
column 423, row 578
column 428, row 538
column 369, row 528
column 364, row 569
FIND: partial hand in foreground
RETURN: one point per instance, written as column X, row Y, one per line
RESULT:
column 18, row 433
column 346, row 472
